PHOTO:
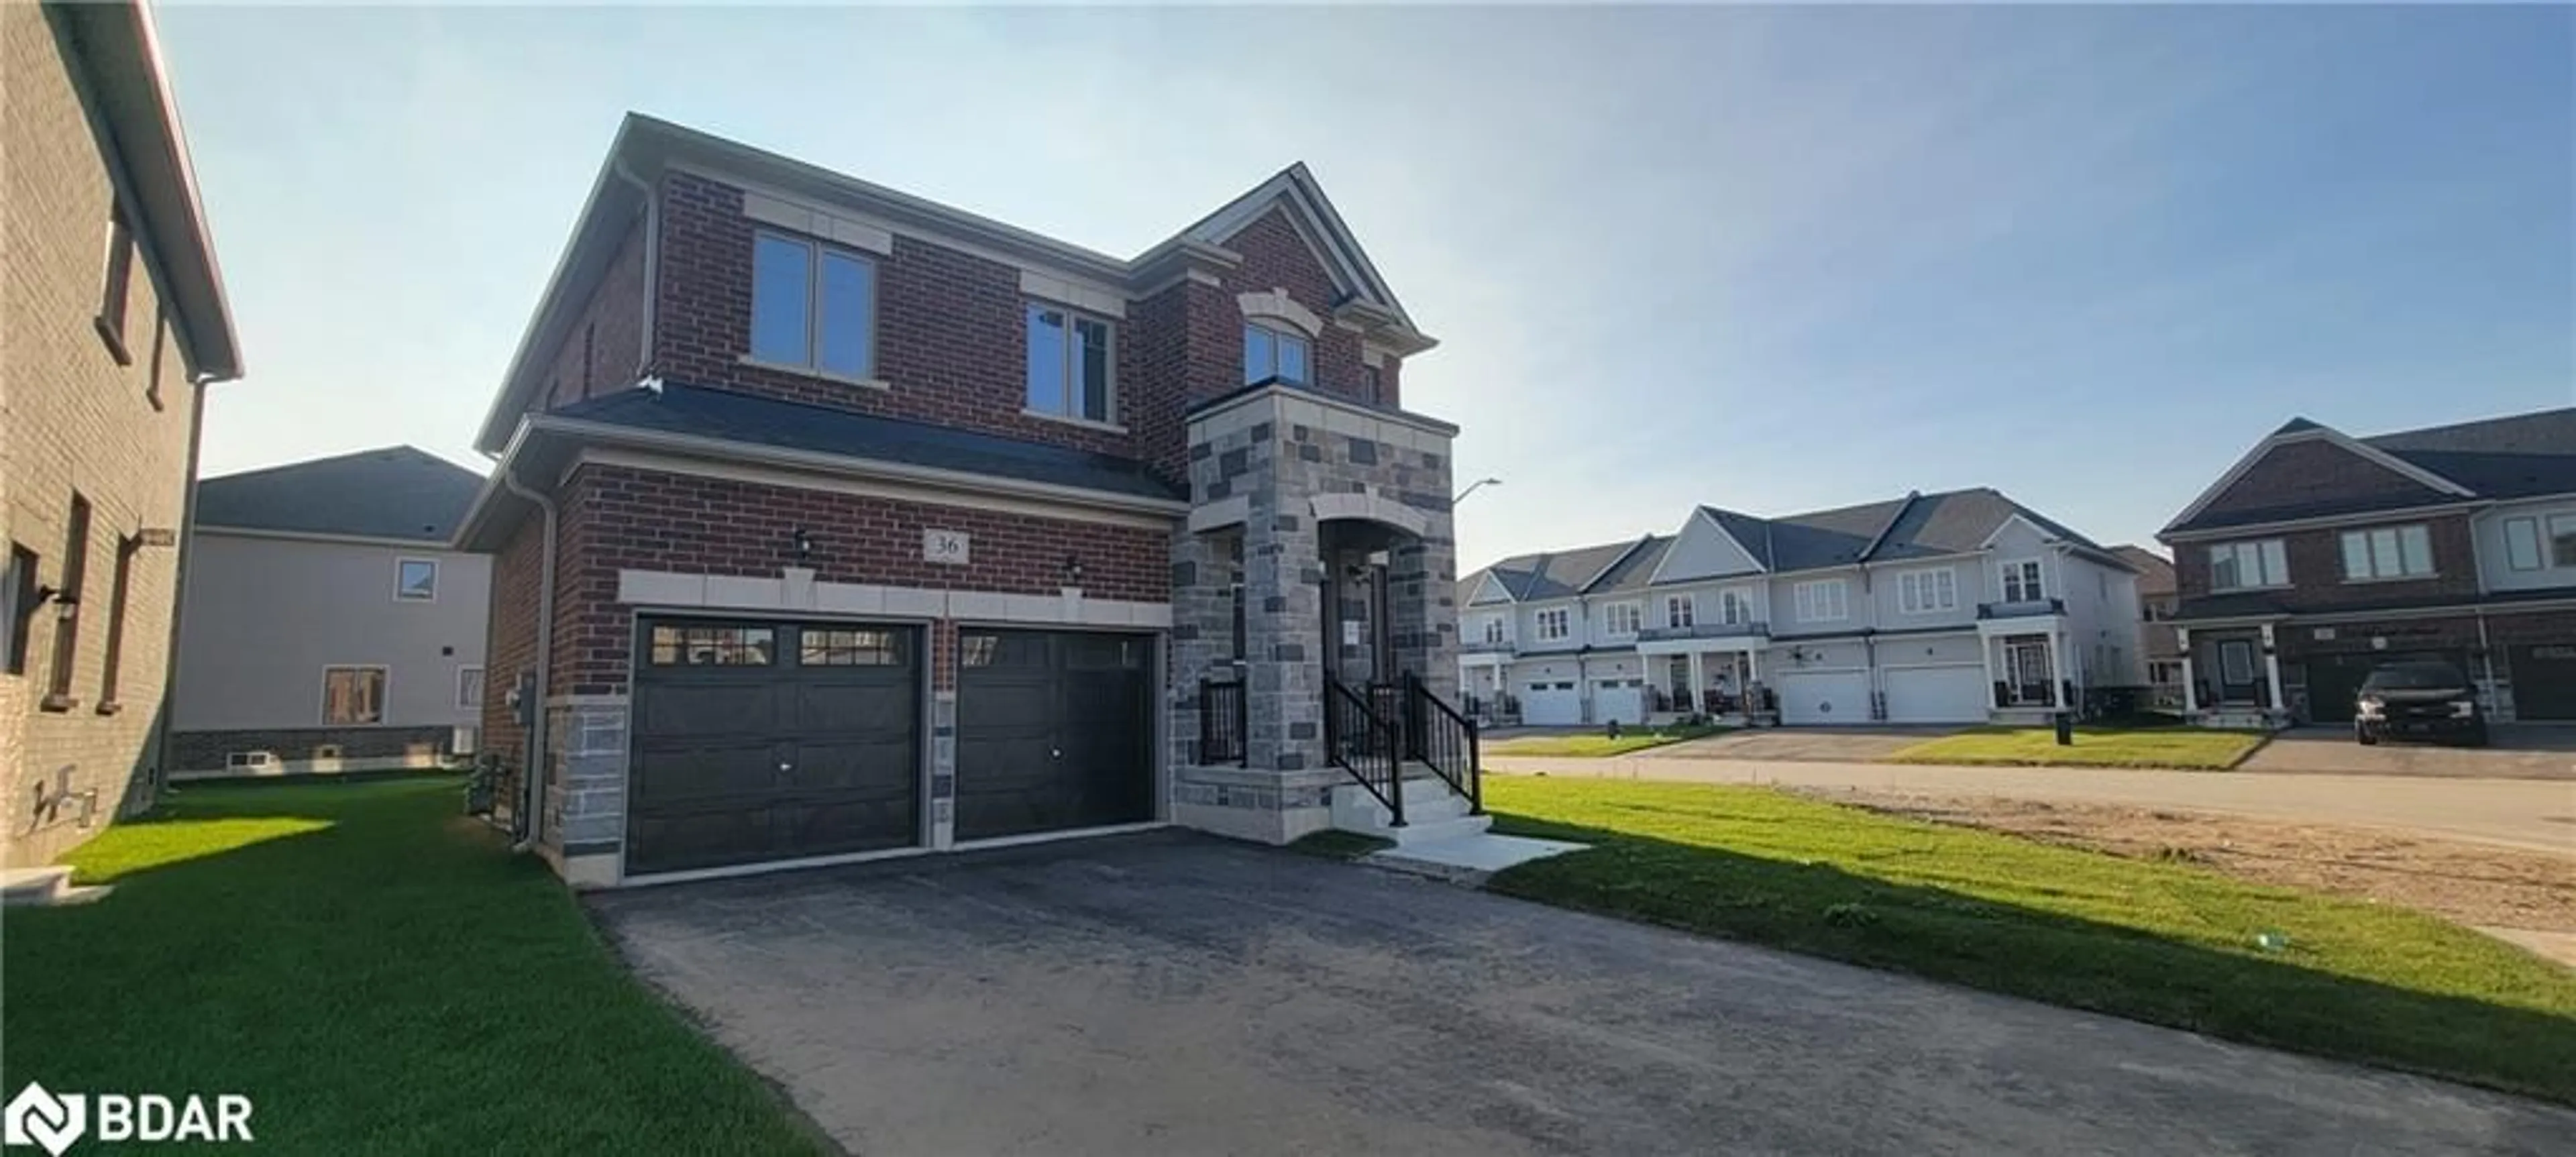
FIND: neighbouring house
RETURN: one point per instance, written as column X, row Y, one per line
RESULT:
column 1958, row 607
column 115, row 319
column 2319, row 556
column 326, row 626
column 2158, row 599
column 830, row 522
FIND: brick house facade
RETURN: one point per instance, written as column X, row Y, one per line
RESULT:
column 2319, row 556
column 973, row 446
column 104, row 361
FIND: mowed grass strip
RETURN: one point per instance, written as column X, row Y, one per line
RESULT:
column 1597, row 743
column 2159, row 942
column 2184, row 748
column 377, row 972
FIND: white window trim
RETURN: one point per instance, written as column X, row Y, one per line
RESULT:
column 1073, row 360
column 403, row 596
column 1493, row 628
column 1564, row 625
column 1806, row 596
column 1912, row 585
column 2038, row 578
column 1681, row 611
column 2256, row 544
column 2549, row 538
column 2539, row 555
column 815, row 248
column 463, row 703
column 1610, row 619
column 1740, row 601
column 2370, row 550
column 384, row 693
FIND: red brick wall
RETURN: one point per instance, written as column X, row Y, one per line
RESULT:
column 618, row 517
column 2316, row 567
column 1275, row 256
column 510, row 641
column 951, row 342
column 602, row 351
column 2298, row 475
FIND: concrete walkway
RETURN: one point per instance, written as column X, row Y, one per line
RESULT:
column 1177, row 994
column 2521, row 813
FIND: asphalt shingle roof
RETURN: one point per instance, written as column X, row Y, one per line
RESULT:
column 2155, row 571
column 394, row 492
column 1632, row 572
column 2521, row 456
column 682, row 409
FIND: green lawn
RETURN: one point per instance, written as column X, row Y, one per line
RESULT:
column 377, row 972
column 2158, row 942
column 1597, row 743
column 2191, row 748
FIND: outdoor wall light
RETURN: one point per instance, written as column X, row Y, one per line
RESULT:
column 804, row 545
column 1072, row 570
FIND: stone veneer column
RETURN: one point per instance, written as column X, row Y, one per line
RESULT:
column 583, row 824
column 1284, row 610
column 1203, row 569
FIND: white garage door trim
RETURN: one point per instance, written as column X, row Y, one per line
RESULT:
column 1947, row 704
column 1551, row 708
column 1626, row 703
column 1850, row 700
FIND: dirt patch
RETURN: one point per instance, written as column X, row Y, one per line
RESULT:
column 2495, row 888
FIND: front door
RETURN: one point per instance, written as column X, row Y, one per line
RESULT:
column 2236, row 671
column 2027, row 664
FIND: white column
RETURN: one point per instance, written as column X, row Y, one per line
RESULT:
column 2190, row 681
column 1986, row 658
column 2272, row 668
column 1697, row 683
column 2056, row 673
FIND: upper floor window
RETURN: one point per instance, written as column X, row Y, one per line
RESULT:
column 2387, row 552
column 1622, row 618
column 113, row 286
column 1270, row 353
column 1372, row 384
column 1821, row 601
column 1923, row 592
column 1493, row 630
column 1069, row 364
column 1734, row 608
column 416, row 580
column 2237, row 566
column 1552, row 625
column 813, row 306
column 1680, row 611
column 2021, row 582
column 2522, row 543
column 2562, row 540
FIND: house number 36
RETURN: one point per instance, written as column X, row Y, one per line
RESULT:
column 943, row 546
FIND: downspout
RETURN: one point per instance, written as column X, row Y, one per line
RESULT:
column 533, row 790
column 179, row 577
column 652, row 263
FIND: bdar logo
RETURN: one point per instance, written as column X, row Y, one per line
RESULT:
column 38, row 1117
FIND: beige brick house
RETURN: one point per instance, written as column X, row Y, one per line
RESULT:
column 113, row 321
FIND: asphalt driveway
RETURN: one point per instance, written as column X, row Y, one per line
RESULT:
column 2515, row 751
column 1172, row 993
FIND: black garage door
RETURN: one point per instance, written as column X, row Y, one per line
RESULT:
column 1054, row 731
column 759, row 741
column 2544, row 680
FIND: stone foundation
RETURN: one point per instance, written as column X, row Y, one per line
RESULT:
column 584, row 822
column 1269, row 807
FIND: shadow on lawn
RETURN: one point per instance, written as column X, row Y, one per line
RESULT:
column 2254, row 997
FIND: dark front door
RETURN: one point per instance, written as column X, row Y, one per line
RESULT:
column 760, row 741
column 1054, row 731
column 2544, row 681
column 2236, row 673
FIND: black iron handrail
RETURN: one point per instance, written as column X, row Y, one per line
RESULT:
column 1221, row 721
column 1364, row 745
column 1441, row 738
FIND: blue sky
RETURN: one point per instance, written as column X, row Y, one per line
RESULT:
column 1772, row 259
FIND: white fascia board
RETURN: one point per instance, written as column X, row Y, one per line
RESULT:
column 2326, row 434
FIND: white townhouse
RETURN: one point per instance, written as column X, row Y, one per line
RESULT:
column 1959, row 607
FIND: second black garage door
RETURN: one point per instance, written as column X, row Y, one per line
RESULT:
column 762, row 741
column 2544, row 681
column 1054, row 731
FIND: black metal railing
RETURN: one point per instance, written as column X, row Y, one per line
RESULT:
column 1365, row 745
column 1444, row 740
column 1221, row 721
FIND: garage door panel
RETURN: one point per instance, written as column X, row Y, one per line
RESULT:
column 1936, row 694
column 2544, row 681
column 1055, row 732
column 803, row 741
column 1824, row 697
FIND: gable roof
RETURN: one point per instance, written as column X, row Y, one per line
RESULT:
column 2155, row 571
column 1750, row 533
column 2432, row 486
column 644, row 146
column 396, row 492
column 117, row 52
column 2518, row 456
column 1567, row 573
column 1915, row 526
column 1634, row 569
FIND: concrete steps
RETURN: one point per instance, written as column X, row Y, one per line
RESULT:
column 1432, row 811
column 47, row 887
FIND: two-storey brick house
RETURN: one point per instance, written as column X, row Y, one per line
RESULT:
column 2319, row 556
column 832, row 522
column 113, row 321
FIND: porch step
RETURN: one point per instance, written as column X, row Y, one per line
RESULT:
column 1469, row 859
column 46, row 887
column 1429, row 805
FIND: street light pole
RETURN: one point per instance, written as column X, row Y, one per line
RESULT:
column 1472, row 487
